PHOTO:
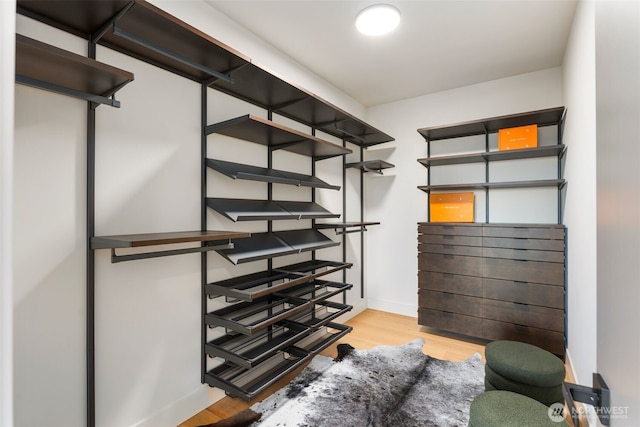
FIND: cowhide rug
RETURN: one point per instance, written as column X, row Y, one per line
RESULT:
column 382, row 387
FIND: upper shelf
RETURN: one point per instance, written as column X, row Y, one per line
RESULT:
column 547, row 117
column 559, row 183
column 148, row 33
column 371, row 166
column 47, row 67
column 256, row 173
column 255, row 210
column 525, row 153
column 266, row 132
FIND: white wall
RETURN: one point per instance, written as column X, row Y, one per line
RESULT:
column 393, row 199
column 7, row 78
column 147, row 180
column 580, row 216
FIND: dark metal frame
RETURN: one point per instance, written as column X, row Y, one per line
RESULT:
column 599, row 396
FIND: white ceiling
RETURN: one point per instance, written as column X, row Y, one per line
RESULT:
column 439, row 45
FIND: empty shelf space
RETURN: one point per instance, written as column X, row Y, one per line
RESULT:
column 248, row 351
column 323, row 337
column 266, row 132
column 376, row 166
column 316, row 290
column 250, row 317
column 247, row 383
column 320, row 314
column 254, row 210
column 269, row 245
column 559, row 183
column 47, row 67
column 257, row 285
column 525, row 153
column 151, row 239
column 256, row 173
column 547, row 117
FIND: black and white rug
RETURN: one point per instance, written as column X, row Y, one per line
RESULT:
column 381, row 387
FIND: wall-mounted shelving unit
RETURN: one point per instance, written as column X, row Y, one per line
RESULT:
column 376, row 166
column 495, row 281
column 272, row 345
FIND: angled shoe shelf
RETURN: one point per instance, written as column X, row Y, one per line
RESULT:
column 248, row 383
column 249, row 350
column 275, row 244
column 320, row 314
column 256, row 173
column 257, row 285
column 266, row 132
column 323, row 337
column 376, row 166
column 255, row 210
column 50, row 68
column 250, row 317
column 316, row 290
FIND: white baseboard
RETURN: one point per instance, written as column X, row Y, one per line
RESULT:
column 393, row 307
column 181, row 410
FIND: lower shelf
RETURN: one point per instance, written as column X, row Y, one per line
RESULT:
column 320, row 314
column 247, row 383
column 323, row 337
column 317, row 290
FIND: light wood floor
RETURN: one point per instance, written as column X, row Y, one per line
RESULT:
column 370, row 328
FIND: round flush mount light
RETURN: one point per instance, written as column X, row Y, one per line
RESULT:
column 378, row 19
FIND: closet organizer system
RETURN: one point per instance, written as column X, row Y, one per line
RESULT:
column 495, row 280
column 272, row 320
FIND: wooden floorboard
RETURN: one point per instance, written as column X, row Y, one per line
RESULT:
column 370, row 328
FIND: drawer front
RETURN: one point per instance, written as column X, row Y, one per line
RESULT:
column 534, row 244
column 524, row 271
column 444, row 263
column 551, row 232
column 450, row 239
column 451, row 322
column 548, row 340
column 524, row 314
column 457, row 230
column 450, row 249
column 524, row 254
column 453, row 303
column 453, row 283
column 526, row 293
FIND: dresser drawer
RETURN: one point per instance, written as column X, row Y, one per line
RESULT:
column 523, row 292
column 450, row 239
column 451, row 322
column 456, row 230
column 457, row 264
column 454, row 303
column 524, row 314
column 534, row 244
column 548, row 340
column 523, row 254
column 450, row 249
column 525, row 232
column 524, row 271
column 454, row 283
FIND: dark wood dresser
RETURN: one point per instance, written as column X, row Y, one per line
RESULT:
column 494, row 281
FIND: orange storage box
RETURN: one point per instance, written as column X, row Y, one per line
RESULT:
column 451, row 207
column 518, row 138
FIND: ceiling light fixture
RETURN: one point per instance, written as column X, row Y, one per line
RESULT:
column 378, row 19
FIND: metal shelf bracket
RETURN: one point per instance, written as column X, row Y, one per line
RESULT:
column 121, row 258
column 599, row 396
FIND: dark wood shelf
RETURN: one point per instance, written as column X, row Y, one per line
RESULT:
column 526, row 153
column 256, row 173
column 47, row 67
column 559, row 183
column 146, row 32
column 376, row 166
column 546, row 117
column 275, row 244
column 152, row 239
column 266, row 132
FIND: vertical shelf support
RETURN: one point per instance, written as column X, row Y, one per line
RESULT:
column 203, row 227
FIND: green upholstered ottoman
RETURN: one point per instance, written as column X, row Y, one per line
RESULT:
column 507, row 409
column 525, row 369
